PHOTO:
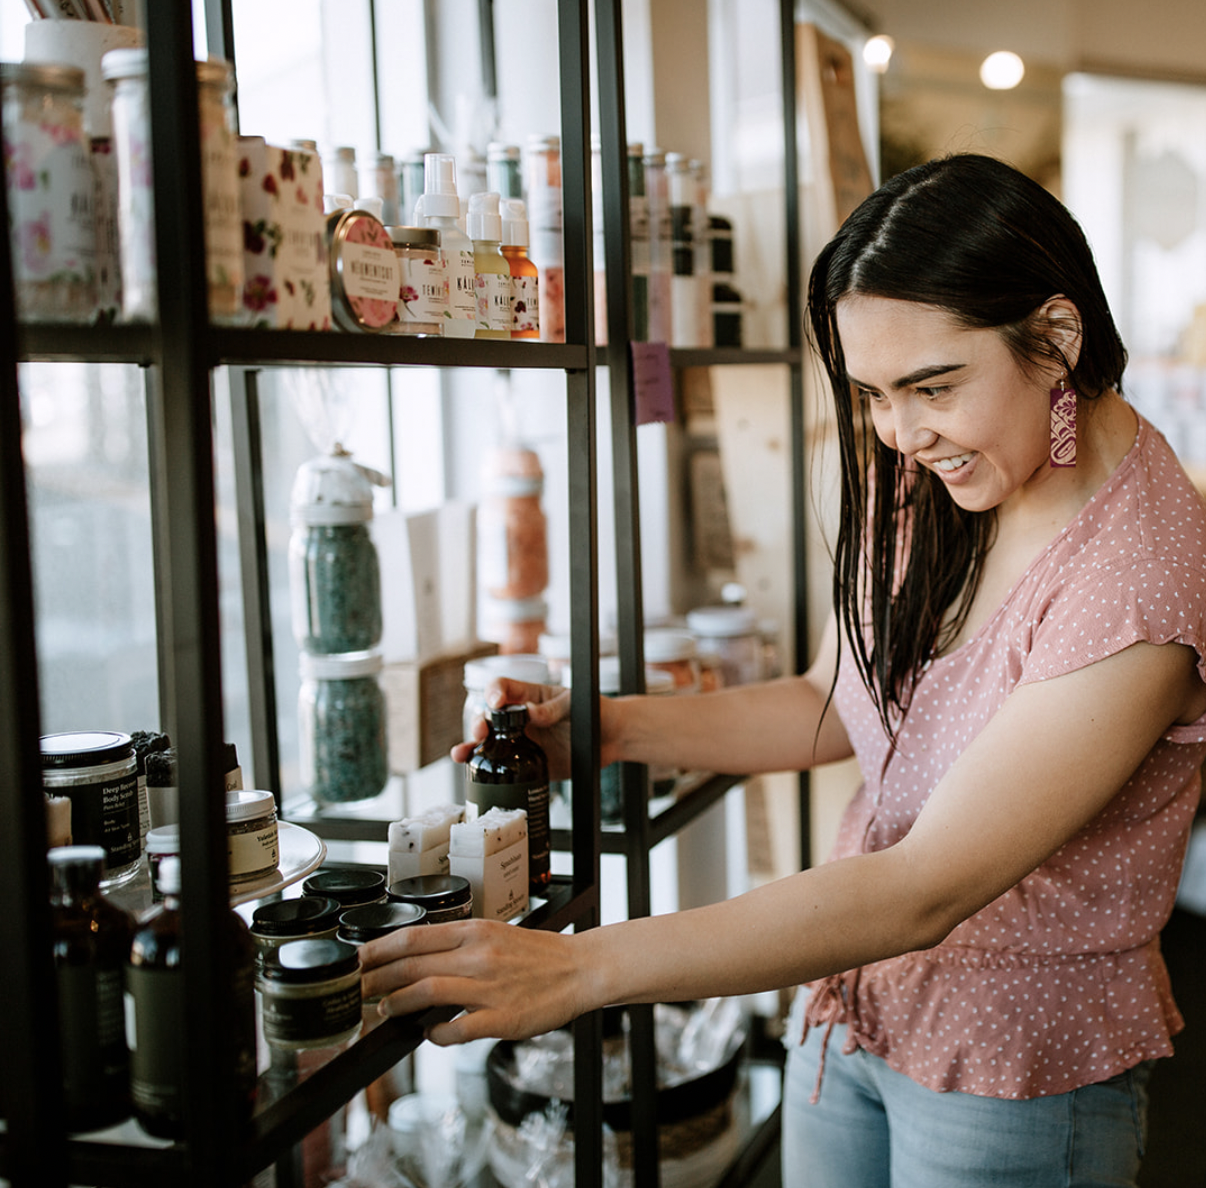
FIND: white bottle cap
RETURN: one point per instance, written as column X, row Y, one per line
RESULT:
column 439, row 186
column 514, row 222
column 334, row 202
column 484, row 221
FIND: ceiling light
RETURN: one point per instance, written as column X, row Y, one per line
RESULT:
column 1002, row 71
column 877, row 52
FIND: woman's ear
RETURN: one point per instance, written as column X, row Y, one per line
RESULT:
column 1060, row 321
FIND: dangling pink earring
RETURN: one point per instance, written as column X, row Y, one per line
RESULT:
column 1063, row 425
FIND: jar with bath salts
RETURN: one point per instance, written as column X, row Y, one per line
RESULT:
column 442, row 897
column 515, row 624
column 353, row 887
column 731, row 633
column 310, row 994
column 342, row 739
column 675, row 652
column 513, row 550
column 312, row 917
column 51, row 191
column 97, row 771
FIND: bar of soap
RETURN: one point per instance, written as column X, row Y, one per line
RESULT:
column 493, row 831
column 419, row 845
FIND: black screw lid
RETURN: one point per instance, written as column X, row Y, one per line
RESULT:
column 296, row 917
column 310, row 961
column 433, row 892
column 350, row 887
column 360, row 924
column 508, row 717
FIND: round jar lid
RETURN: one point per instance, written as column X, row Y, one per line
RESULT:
column 124, row 63
column 722, row 621
column 310, row 961
column 426, row 237
column 85, row 748
column 366, row 923
column 296, row 917
column 52, row 76
column 520, row 666
column 248, row 804
column 163, row 839
column 349, row 887
column 664, row 645
column 76, row 855
column 344, row 666
column 433, row 892
column 515, row 610
column 656, row 680
column 331, row 490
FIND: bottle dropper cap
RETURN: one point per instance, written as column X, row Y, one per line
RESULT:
column 439, row 186
column 484, row 221
column 514, row 222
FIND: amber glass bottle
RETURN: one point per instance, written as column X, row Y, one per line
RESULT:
column 91, row 938
column 508, row 770
column 155, row 985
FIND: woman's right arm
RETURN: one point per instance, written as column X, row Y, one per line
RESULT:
column 778, row 725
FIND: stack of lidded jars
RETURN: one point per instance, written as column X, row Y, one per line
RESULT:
column 513, row 549
column 335, row 581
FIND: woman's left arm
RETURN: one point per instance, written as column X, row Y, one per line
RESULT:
column 1046, row 764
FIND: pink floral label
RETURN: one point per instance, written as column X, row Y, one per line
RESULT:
column 525, row 304
column 424, row 289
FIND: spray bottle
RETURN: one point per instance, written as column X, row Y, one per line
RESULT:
column 441, row 208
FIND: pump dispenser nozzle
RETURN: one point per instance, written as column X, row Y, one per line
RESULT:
column 484, row 223
column 514, row 222
column 439, row 186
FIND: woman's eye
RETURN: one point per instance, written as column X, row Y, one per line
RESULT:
column 869, row 395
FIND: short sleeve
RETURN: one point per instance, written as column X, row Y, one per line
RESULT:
column 1147, row 600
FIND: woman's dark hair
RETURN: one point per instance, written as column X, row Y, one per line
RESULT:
column 971, row 236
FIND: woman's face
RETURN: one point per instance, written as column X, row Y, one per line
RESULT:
column 952, row 399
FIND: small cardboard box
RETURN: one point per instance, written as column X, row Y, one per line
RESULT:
column 492, row 853
column 426, row 700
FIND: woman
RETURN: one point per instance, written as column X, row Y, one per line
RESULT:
column 1016, row 660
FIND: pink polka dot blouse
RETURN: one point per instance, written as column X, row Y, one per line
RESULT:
column 1059, row 982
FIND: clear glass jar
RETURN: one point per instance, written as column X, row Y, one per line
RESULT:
column 423, row 302
column 504, row 172
column 96, row 770
column 334, row 571
column 342, row 720
column 310, row 994
column 732, row 634
column 675, row 652
column 51, row 192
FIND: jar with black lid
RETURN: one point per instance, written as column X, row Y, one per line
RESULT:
column 359, row 925
column 310, row 994
column 350, row 888
column 97, row 772
column 443, row 897
column 312, row 917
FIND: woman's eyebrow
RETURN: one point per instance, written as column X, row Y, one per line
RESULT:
column 914, row 377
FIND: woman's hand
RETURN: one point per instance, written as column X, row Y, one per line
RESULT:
column 513, row 982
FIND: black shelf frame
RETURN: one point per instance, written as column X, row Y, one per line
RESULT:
column 179, row 353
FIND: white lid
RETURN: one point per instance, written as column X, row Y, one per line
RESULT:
column 331, row 489
column 519, row 667
column 249, row 803
column 343, row 666
column 724, row 621
column 557, row 645
column 515, row 610
column 169, row 875
column 664, row 644
column 333, row 202
column 656, row 680
column 439, row 186
column 164, row 839
column 67, row 855
column 483, row 221
column 514, row 222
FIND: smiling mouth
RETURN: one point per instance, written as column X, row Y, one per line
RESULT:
column 950, row 465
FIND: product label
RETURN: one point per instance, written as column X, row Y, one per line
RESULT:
column 155, row 1031
column 638, row 223
column 525, row 305
column 253, row 853
column 532, row 798
column 369, row 273
column 108, row 242
column 51, row 197
column 91, row 1021
column 424, row 289
column 494, row 301
column 312, row 1019
column 106, row 814
column 462, row 283
column 223, row 215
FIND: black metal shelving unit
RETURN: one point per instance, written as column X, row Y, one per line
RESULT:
column 179, row 354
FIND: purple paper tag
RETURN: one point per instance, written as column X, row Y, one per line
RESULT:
column 653, row 383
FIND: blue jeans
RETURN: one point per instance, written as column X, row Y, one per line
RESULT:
column 875, row 1128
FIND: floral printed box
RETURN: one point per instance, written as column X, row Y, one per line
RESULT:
column 286, row 283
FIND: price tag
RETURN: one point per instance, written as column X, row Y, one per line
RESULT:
column 653, row 383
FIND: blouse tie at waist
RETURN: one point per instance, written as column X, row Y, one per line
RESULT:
column 830, row 1003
